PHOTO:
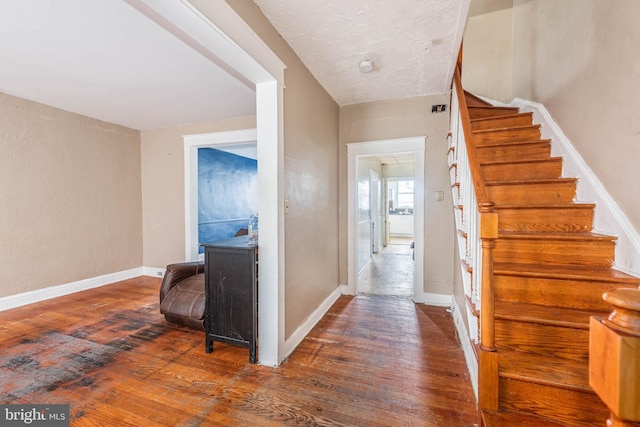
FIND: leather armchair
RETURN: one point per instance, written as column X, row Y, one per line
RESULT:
column 182, row 298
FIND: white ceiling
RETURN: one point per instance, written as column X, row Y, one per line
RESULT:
column 413, row 44
column 104, row 59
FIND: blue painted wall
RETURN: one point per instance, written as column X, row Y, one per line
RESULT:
column 227, row 193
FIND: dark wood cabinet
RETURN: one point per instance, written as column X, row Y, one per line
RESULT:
column 231, row 311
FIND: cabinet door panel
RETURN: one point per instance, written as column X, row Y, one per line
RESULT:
column 232, row 295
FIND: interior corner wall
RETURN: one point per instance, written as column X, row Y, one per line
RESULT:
column 578, row 58
column 487, row 56
column 163, row 187
column 70, row 204
column 403, row 119
column 310, row 178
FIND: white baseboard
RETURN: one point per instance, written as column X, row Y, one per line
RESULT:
column 299, row 334
column 30, row 297
column 345, row 290
column 153, row 271
column 467, row 350
column 438, row 300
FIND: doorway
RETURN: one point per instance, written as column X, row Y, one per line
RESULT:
column 390, row 269
column 241, row 141
column 358, row 153
column 260, row 68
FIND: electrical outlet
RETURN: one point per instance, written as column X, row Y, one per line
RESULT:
column 160, row 273
column 439, row 196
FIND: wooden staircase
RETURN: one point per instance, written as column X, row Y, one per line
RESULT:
column 549, row 270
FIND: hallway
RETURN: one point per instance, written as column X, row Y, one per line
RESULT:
column 390, row 271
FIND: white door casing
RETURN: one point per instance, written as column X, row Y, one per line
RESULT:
column 240, row 51
column 415, row 145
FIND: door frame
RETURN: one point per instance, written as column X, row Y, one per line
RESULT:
column 191, row 145
column 416, row 146
column 220, row 35
column 375, row 209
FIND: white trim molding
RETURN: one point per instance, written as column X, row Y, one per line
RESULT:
column 415, row 145
column 438, row 300
column 30, row 297
column 299, row 334
column 153, row 271
column 191, row 145
column 609, row 217
column 217, row 32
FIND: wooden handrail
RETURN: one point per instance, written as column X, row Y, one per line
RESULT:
column 484, row 204
column 614, row 357
column 459, row 60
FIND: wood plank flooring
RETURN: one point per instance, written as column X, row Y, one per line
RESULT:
column 371, row 361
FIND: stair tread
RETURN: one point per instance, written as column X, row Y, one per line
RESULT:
column 571, row 205
column 521, row 161
column 494, row 107
column 529, row 181
column 515, row 419
column 483, row 119
column 547, row 315
column 567, row 272
column 506, row 129
column 552, row 371
column 514, row 143
column 554, row 235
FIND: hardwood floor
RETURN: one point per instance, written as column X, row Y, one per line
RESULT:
column 371, row 361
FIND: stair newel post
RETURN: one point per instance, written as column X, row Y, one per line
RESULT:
column 488, row 235
column 488, row 361
column 614, row 357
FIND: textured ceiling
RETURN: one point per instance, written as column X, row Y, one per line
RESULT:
column 104, row 59
column 413, row 43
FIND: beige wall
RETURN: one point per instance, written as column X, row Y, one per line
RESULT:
column 163, row 188
column 403, row 119
column 69, row 197
column 310, row 177
column 579, row 58
column 487, row 58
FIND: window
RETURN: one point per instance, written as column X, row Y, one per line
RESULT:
column 405, row 195
column 400, row 196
